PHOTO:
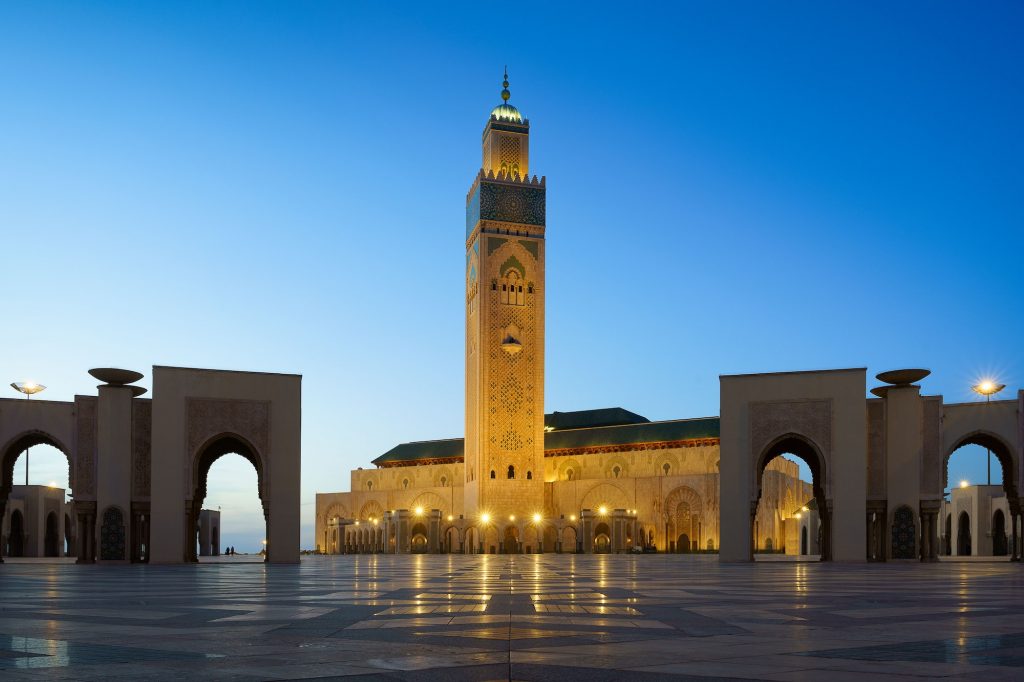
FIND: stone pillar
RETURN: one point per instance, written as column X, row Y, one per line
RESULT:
column 85, row 513
column 934, row 555
column 3, row 510
column 826, row 532
column 752, row 540
column 402, row 532
column 434, row 532
column 1015, row 555
column 926, row 539
column 588, row 531
column 91, row 536
column 114, row 466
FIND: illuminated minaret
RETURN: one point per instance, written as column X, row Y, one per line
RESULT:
column 504, row 447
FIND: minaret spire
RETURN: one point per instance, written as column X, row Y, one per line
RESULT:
column 505, row 94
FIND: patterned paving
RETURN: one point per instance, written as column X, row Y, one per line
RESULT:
column 540, row 617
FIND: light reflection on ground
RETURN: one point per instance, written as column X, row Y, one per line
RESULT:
column 500, row 617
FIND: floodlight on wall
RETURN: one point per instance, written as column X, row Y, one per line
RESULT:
column 485, row 517
column 988, row 388
column 536, row 518
column 602, row 510
column 964, row 484
column 29, row 388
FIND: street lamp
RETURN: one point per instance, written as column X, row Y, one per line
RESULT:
column 988, row 388
column 29, row 388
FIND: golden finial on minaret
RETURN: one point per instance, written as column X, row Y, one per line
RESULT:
column 505, row 94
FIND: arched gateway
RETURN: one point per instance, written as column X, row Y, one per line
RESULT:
column 878, row 464
column 118, row 442
column 817, row 416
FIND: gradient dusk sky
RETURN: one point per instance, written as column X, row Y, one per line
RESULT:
column 732, row 187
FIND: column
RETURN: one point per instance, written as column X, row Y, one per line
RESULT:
column 91, row 536
column 1015, row 555
column 934, row 555
column 753, row 531
column 926, row 540
column 114, row 467
column 3, row 509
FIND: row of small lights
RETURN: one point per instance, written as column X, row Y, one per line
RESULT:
column 987, row 388
column 486, row 518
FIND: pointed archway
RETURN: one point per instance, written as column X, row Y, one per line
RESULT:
column 215, row 448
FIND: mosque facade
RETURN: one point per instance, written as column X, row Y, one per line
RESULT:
column 522, row 480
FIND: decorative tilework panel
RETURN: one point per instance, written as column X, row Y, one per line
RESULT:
column 512, row 204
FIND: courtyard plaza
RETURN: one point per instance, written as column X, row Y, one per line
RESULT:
column 512, row 617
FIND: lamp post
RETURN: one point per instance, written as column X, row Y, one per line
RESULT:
column 988, row 388
column 29, row 388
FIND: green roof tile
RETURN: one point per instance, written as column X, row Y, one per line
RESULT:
column 632, row 434
column 448, row 449
column 622, row 434
column 582, row 419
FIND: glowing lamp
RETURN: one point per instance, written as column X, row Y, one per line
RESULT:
column 419, row 511
column 964, row 484
column 485, row 517
column 602, row 510
column 536, row 518
column 987, row 388
column 29, row 388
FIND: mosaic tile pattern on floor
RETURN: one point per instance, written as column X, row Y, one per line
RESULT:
column 534, row 617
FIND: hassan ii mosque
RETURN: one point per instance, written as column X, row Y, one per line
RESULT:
column 523, row 480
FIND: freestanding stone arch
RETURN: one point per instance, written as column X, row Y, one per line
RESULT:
column 818, row 416
column 209, row 452
column 26, row 423
column 999, row 427
column 200, row 415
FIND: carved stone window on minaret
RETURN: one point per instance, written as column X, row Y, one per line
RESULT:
column 512, row 290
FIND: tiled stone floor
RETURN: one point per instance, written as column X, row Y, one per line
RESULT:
column 561, row 617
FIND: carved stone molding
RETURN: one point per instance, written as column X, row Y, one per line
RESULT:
column 809, row 418
column 210, row 417
column 680, row 495
column 931, row 454
column 83, row 469
column 142, row 436
column 876, row 449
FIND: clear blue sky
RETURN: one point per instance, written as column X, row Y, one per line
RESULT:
column 732, row 187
